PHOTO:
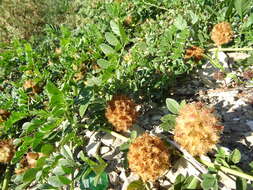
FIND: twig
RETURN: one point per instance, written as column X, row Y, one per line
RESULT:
column 230, row 49
column 153, row 5
column 117, row 135
column 6, row 178
column 188, row 157
column 226, row 170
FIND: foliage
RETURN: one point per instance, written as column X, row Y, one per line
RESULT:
column 61, row 61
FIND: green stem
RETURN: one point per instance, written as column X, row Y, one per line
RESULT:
column 206, row 163
column 153, row 5
column 230, row 49
column 6, row 178
column 117, row 135
column 226, row 170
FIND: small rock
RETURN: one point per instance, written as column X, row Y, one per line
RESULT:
column 104, row 150
column 249, row 138
column 165, row 183
column 114, row 178
column 111, row 155
column 108, row 139
column 250, row 124
column 92, row 148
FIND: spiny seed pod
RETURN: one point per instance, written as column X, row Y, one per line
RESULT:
column 6, row 151
column 29, row 161
column 149, row 157
column 197, row 129
column 121, row 112
column 194, row 52
column 222, row 33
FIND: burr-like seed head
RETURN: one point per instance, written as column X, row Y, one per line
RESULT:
column 121, row 112
column 149, row 157
column 197, row 129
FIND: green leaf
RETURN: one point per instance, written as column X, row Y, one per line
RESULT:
column 209, row 182
column 172, row 105
column 194, row 17
column 15, row 116
column 191, row 182
column 180, row 23
column 179, row 182
column 88, row 182
column 115, row 28
column 58, row 181
column 249, row 21
column 119, row 31
column 133, row 135
column 124, row 146
column 229, row 9
column 66, row 152
column 107, row 50
column 241, row 184
column 30, row 174
column 56, row 97
column 104, row 64
column 83, row 109
column 242, row 6
column 235, row 156
column 169, row 122
column 111, row 39
column 47, row 149
column 136, row 185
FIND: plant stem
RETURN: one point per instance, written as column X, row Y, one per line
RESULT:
column 188, row 157
column 117, row 135
column 230, row 49
column 6, row 178
column 153, row 5
column 226, row 170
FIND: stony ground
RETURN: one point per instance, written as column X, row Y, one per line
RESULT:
column 234, row 106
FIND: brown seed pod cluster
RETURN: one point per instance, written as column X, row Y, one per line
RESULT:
column 194, row 52
column 121, row 112
column 29, row 161
column 4, row 115
column 149, row 157
column 222, row 33
column 248, row 74
column 30, row 84
column 197, row 129
column 6, row 151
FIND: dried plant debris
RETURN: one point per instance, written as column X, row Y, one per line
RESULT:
column 149, row 157
column 121, row 112
column 222, row 33
column 197, row 129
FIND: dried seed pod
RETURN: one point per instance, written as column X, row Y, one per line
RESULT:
column 29, row 161
column 194, row 52
column 30, row 84
column 4, row 115
column 222, row 33
column 149, row 157
column 248, row 74
column 121, row 112
column 6, row 151
column 197, row 129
